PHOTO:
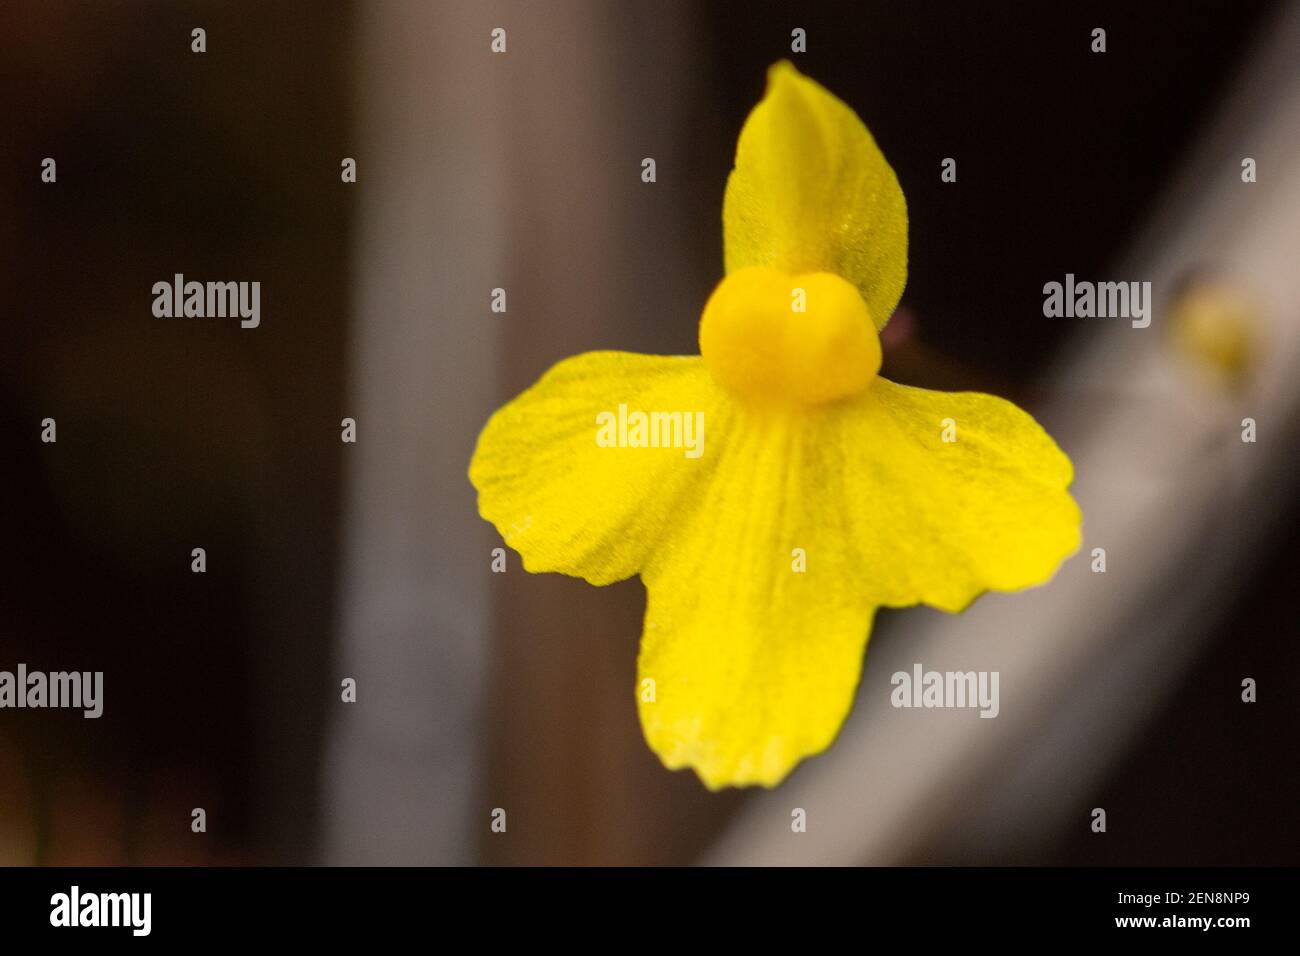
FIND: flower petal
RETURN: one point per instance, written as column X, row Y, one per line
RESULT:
column 937, row 521
column 811, row 192
column 564, row 502
column 755, row 663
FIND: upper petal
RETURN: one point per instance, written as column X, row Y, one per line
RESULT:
column 564, row 502
column 811, row 192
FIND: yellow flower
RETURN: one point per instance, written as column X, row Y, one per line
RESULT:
column 823, row 491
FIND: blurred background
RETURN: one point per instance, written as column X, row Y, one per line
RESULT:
column 521, row 170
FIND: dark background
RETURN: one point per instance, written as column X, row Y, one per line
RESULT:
column 175, row 435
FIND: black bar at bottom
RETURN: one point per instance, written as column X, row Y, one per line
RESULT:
column 367, row 904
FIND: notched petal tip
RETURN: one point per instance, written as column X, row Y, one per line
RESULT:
column 782, row 73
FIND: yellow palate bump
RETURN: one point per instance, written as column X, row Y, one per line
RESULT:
column 804, row 339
